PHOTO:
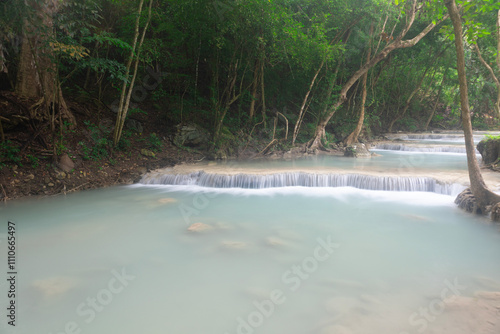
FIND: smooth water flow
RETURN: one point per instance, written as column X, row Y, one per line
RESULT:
column 283, row 260
column 324, row 245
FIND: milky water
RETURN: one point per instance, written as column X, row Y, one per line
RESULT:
column 296, row 260
column 283, row 260
column 400, row 160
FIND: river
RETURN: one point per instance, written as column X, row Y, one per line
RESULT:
column 315, row 245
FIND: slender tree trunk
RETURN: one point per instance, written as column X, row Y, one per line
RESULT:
column 397, row 43
column 303, row 106
column 433, row 111
column 483, row 196
column 353, row 137
column 496, row 104
column 255, row 85
column 3, row 67
column 408, row 101
column 125, row 100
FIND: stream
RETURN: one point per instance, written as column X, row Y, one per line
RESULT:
column 316, row 245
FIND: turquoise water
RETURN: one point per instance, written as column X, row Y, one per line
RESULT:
column 283, row 260
column 401, row 161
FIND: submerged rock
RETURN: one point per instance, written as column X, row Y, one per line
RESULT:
column 200, row 227
column 54, row 286
column 167, row 200
column 238, row 245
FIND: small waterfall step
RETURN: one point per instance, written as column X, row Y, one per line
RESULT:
column 292, row 179
column 391, row 146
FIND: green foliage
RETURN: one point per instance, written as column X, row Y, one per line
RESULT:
column 492, row 137
column 99, row 145
column 9, row 153
column 33, row 160
column 155, row 143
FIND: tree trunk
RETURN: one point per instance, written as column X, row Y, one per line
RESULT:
column 255, row 85
column 431, row 115
column 496, row 104
column 483, row 196
column 398, row 43
column 408, row 102
column 37, row 75
column 353, row 137
column 125, row 100
column 3, row 67
column 303, row 106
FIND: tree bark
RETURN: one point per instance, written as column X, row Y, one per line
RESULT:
column 303, row 106
column 255, row 85
column 398, row 43
column 37, row 75
column 353, row 137
column 433, row 111
column 125, row 100
column 483, row 196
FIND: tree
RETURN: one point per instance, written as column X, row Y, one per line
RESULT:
column 353, row 137
column 37, row 75
column 395, row 43
column 127, row 88
column 483, row 196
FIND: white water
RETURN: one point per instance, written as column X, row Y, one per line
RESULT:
column 420, row 148
column 333, row 259
column 249, row 181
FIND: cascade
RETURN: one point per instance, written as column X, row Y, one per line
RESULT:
column 410, row 148
column 291, row 179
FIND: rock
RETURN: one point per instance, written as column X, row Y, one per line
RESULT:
column 200, row 227
column 134, row 125
column 490, row 150
column 234, row 244
column 61, row 176
column 191, row 135
column 148, row 153
column 167, row 200
column 65, row 163
column 142, row 170
column 54, row 286
column 357, row 151
column 275, row 242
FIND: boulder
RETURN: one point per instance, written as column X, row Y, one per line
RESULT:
column 490, row 150
column 191, row 135
column 357, row 150
column 65, row 163
column 134, row 125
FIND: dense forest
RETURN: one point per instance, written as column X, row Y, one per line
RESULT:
column 273, row 72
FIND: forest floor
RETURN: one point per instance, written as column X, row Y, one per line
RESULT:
column 28, row 166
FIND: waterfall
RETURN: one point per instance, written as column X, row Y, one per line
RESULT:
column 409, row 148
column 252, row 181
